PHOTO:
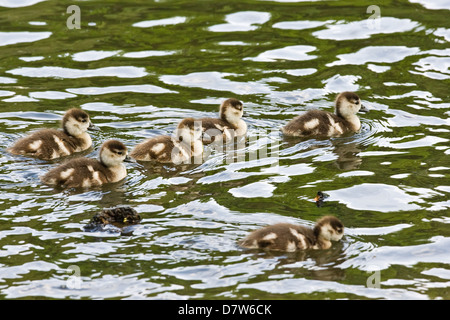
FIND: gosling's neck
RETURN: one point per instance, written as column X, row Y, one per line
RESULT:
column 197, row 148
column 231, row 118
column 354, row 122
column 323, row 243
column 86, row 140
column 119, row 172
column 241, row 128
column 193, row 148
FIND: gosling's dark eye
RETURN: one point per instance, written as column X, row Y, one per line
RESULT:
column 84, row 120
column 119, row 152
column 357, row 102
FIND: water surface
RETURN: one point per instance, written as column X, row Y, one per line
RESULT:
column 140, row 67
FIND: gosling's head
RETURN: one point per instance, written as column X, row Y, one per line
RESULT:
column 189, row 131
column 329, row 228
column 231, row 110
column 76, row 122
column 113, row 153
column 348, row 104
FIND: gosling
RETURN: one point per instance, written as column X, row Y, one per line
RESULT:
column 87, row 173
column 49, row 144
column 326, row 124
column 290, row 237
column 180, row 148
column 229, row 124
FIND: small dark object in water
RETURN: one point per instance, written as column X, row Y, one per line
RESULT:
column 119, row 216
column 320, row 197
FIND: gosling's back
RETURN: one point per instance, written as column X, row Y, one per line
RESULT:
column 48, row 144
column 86, row 173
column 316, row 123
column 81, row 172
column 280, row 237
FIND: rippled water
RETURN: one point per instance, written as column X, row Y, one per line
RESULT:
column 139, row 67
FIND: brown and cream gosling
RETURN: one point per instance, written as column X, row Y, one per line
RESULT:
column 185, row 143
column 229, row 124
column 291, row 237
column 86, row 173
column 49, row 144
column 326, row 124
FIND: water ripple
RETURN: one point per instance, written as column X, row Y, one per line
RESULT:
column 242, row 21
column 342, row 30
column 294, row 53
column 216, row 81
column 68, row 73
column 381, row 54
column 139, row 71
column 8, row 38
column 160, row 22
column 143, row 88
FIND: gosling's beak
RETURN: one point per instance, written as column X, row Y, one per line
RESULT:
column 129, row 159
column 363, row 109
column 321, row 196
column 93, row 127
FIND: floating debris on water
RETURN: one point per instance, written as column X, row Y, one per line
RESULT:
column 120, row 217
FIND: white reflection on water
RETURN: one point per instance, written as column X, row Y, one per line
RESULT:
column 59, row 72
column 7, row 38
column 142, row 88
column 17, row 4
column 213, row 276
column 242, row 21
column 421, row 142
column 385, row 54
column 406, row 119
column 439, row 66
column 7, row 80
column 160, row 22
column 254, row 190
column 99, row 287
column 93, row 55
column 436, row 251
column 360, row 30
column 20, row 98
column 148, row 53
column 299, row 25
column 216, row 81
column 53, row 95
column 305, row 286
column 375, row 197
column 294, row 53
column 434, row 4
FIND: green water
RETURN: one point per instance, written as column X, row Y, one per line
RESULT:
column 138, row 67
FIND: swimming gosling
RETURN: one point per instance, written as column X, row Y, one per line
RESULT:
column 180, row 148
column 228, row 125
column 86, row 173
column 49, row 144
column 290, row 237
column 326, row 124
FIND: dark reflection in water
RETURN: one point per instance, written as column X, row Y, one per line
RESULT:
column 348, row 155
column 166, row 170
column 313, row 264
